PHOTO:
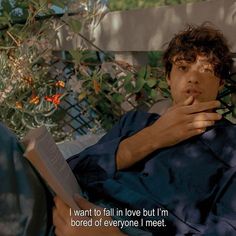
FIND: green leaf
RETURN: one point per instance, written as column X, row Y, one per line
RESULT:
column 155, row 58
column 151, row 82
column 129, row 87
column 139, row 84
column 142, row 73
column 126, row 78
column 4, row 20
column 118, row 98
column 148, row 71
column 76, row 56
column 6, row 7
column 88, row 56
column 75, row 25
column 162, row 84
column 153, row 94
column 141, row 78
column 166, row 93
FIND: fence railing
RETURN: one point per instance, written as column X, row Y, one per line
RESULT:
column 130, row 35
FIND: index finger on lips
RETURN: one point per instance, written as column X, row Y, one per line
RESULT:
column 188, row 101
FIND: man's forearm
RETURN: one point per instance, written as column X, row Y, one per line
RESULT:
column 136, row 147
column 179, row 123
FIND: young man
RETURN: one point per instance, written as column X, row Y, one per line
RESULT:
column 182, row 162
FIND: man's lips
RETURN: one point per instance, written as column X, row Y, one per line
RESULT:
column 192, row 91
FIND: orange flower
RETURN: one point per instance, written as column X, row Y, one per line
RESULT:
column 34, row 100
column 96, row 86
column 55, row 99
column 28, row 80
column 19, row 105
column 60, row 83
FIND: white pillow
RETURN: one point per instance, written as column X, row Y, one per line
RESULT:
column 70, row 148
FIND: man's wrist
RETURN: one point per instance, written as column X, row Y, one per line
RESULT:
column 137, row 147
column 154, row 138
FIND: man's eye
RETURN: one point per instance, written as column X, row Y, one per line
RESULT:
column 182, row 68
column 208, row 70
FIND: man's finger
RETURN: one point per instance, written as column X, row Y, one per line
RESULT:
column 200, row 124
column 202, row 106
column 188, row 101
column 204, row 116
column 57, row 220
column 62, row 208
column 84, row 204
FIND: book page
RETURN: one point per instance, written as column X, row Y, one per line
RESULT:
column 43, row 153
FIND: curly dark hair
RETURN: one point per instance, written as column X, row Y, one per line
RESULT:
column 202, row 40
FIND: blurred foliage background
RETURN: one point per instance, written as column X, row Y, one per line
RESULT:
column 37, row 83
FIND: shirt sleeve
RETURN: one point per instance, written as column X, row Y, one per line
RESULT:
column 98, row 162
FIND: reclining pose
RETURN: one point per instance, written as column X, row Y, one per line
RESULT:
column 182, row 162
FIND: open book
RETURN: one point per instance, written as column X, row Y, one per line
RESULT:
column 43, row 153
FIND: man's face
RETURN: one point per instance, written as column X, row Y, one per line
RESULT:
column 193, row 79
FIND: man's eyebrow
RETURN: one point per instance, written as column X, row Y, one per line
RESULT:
column 183, row 59
column 180, row 61
column 206, row 63
column 204, row 60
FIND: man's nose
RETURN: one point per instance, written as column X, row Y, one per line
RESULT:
column 193, row 77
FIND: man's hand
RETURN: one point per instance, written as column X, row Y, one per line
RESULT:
column 177, row 124
column 62, row 220
column 184, row 121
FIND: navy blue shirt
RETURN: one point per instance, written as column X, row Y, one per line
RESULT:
column 194, row 180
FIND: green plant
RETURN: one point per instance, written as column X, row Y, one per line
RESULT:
column 31, row 84
column 111, row 88
column 35, row 79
